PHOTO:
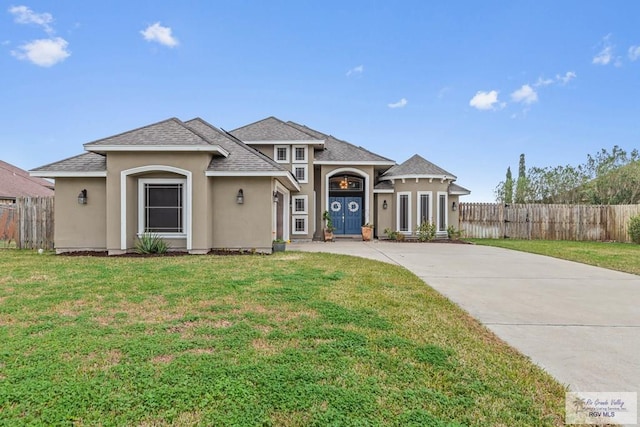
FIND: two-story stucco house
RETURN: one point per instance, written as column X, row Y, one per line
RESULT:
column 202, row 188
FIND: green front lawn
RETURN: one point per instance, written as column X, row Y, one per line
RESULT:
column 288, row 339
column 615, row 256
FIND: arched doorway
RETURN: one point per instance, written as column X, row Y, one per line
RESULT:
column 346, row 207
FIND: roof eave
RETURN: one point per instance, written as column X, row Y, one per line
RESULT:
column 356, row 163
column 68, row 174
column 294, row 185
column 165, row 148
column 419, row 176
column 316, row 142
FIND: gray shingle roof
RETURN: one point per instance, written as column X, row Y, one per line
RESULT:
column 87, row 162
column 458, row 189
column 166, row 133
column 337, row 150
column 271, row 129
column 241, row 157
column 16, row 182
column 384, row 185
column 417, row 166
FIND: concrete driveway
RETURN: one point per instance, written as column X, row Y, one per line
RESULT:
column 580, row 323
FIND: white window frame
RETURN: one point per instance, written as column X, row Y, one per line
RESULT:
column 306, row 154
column 275, row 153
column 305, row 200
column 399, row 196
column 294, row 219
column 446, row 211
column 141, row 206
column 306, row 172
column 429, row 206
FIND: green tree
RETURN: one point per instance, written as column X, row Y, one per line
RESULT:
column 508, row 187
column 521, row 183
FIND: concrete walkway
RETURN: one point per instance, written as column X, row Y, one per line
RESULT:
column 580, row 323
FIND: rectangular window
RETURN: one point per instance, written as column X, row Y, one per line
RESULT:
column 404, row 212
column 300, row 172
column 299, row 204
column 442, row 212
column 281, row 153
column 300, row 224
column 161, row 206
column 424, row 207
column 299, row 154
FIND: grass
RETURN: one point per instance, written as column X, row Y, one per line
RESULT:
column 285, row 340
column 615, row 256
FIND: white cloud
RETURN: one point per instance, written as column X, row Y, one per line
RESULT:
column 634, row 53
column 544, row 82
column 158, row 33
column 355, row 71
column 526, row 94
column 605, row 55
column 44, row 52
column 400, row 104
column 24, row 15
column 568, row 76
column 485, row 100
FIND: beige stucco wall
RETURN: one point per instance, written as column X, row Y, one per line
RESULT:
column 118, row 161
column 245, row 226
column 80, row 227
column 384, row 217
column 421, row 185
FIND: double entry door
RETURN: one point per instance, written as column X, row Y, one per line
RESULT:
column 346, row 214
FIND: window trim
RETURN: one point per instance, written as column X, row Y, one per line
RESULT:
column 305, row 218
column 306, row 172
column 399, row 197
column 306, row 154
column 305, row 198
column 429, row 206
column 141, row 206
column 445, row 208
column 287, row 152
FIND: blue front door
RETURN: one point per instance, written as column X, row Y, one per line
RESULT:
column 346, row 214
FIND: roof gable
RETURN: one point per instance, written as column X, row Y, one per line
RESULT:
column 272, row 129
column 167, row 133
column 417, row 167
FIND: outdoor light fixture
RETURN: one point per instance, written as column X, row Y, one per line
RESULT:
column 275, row 197
column 344, row 184
column 384, row 204
column 240, row 197
column 454, row 207
column 82, row 197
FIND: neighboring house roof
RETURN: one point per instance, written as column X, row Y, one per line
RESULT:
column 273, row 130
column 16, row 182
column 170, row 134
column 86, row 165
column 242, row 159
column 417, row 167
column 337, row 151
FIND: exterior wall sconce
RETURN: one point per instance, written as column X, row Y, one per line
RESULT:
column 384, row 204
column 240, row 197
column 82, row 197
column 275, row 197
column 454, row 207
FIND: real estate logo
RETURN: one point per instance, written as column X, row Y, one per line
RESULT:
column 593, row 407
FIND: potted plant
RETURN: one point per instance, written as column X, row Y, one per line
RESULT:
column 279, row 245
column 367, row 231
column 328, row 227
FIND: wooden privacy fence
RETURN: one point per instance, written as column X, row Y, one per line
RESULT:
column 8, row 225
column 546, row 222
column 35, row 222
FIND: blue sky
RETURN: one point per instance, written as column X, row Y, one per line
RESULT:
column 467, row 85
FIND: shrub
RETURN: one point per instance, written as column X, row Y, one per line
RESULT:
column 452, row 233
column 392, row 235
column 634, row 229
column 426, row 231
column 150, row 243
